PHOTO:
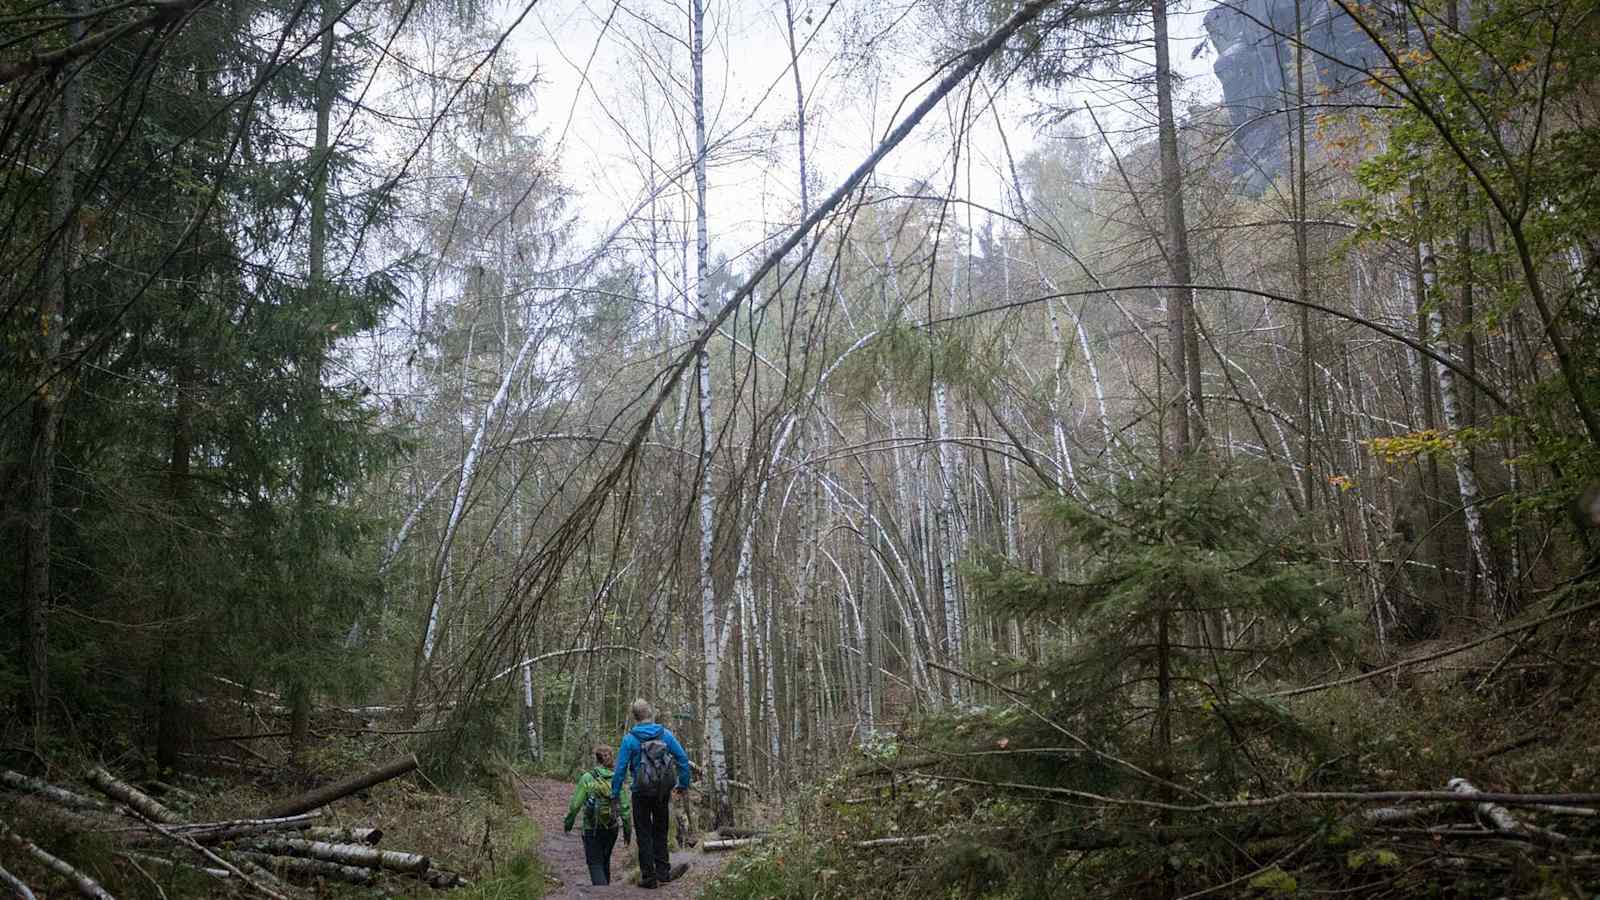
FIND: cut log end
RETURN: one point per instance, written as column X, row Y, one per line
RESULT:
column 351, row 834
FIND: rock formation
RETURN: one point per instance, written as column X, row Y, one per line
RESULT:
column 1255, row 45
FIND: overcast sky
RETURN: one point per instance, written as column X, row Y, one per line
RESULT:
column 602, row 67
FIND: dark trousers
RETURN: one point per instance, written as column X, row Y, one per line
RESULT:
column 597, row 846
column 650, row 820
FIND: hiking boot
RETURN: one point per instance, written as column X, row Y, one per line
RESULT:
column 647, row 885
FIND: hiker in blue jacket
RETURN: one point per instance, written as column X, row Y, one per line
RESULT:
column 659, row 767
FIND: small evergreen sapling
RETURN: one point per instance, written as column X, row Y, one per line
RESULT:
column 1188, row 592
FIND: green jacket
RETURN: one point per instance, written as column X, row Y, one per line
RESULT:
column 586, row 786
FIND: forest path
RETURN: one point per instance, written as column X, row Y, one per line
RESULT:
column 545, row 801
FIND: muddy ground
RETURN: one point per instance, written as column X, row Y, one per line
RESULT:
column 546, row 802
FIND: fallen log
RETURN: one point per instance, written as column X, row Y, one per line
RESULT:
column 264, row 886
column 18, row 887
column 174, row 864
column 741, row 832
column 1582, row 811
column 297, row 867
column 147, row 805
column 730, row 844
column 244, row 688
column 172, row 790
column 1502, row 819
column 1454, row 832
column 245, row 867
column 20, row 782
column 86, row 886
column 895, row 841
column 350, row 834
column 328, row 793
column 344, row 854
column 1387, row 815
column 33, row 806
column 218, row 832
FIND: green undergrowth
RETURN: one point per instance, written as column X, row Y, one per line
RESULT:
column 1136, row 755
column 521, row 876
column 976, row 807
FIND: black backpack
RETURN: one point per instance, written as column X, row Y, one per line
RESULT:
column 656, row 772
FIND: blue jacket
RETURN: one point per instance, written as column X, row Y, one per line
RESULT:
column 628, row 754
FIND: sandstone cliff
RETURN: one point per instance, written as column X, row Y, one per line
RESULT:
column 1254, row 40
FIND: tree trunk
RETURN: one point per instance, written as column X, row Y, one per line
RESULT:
column 170, row 717
column 1450, row 406
column 20, row 782
column 327, row 794
column 296, row 867
column 85, row 885
column 146, row 805
column 17, row 886
column 1186, row 423
column 1064, row 473
column 349, row 834
column 799, row 106
column 530, row 712
column 49, row 395
column 715, row 739
column 345, row 854
column 311, row 464
column 221, row 832
column 946, row 543
column 1302, row 267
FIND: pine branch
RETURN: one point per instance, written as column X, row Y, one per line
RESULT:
column 163, row 13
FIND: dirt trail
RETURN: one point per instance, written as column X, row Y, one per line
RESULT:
column 546, row 802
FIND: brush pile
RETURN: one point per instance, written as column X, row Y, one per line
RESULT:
column 287, row 843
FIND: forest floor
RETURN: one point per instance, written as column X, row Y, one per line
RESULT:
column 545, row 801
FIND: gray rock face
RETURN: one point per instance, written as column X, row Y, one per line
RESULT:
column 1254, row 40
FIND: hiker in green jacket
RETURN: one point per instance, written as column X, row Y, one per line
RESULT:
column 602, row 812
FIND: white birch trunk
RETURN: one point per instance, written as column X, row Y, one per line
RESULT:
column 410, row 522
column 747, row 666
column 1450, row 406
column 715, row 739
column 769, row 691
column 530, row 713
column 1058, row 385
column 904, row 587
column 946, row 516
column 1109, row 433
column 1094, row 381
column 853, row 637
column 469, row 467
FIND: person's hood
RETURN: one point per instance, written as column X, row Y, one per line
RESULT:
column 601, row 772
column 646, row 731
